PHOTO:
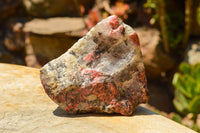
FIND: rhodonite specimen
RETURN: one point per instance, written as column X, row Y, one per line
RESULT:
column 103, row 72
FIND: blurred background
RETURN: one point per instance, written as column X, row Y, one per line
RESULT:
column 33, row 32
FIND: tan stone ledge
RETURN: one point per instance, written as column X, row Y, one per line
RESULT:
column 24, row 107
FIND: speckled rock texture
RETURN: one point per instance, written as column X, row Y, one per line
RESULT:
column 103, row 72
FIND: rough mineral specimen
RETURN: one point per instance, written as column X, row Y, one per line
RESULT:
column 103, row 72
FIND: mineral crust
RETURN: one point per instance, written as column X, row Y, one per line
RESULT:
column 103, row 72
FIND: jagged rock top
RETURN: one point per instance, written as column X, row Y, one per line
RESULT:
column 103, row 72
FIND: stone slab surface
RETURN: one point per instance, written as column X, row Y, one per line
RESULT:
column 54, row 25
column 24, row 107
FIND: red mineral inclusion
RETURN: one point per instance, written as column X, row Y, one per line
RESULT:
column 123, row 107
column 117, row 30
column 100, row 90
column 106, row 92
column 114, row 22
column 134, row 38
column 92, row 74
column 89, row 57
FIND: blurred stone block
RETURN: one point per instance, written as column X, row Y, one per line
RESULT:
column 50, row 8
column 52, row 37
column 154, row 57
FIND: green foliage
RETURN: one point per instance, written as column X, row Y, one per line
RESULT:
column 175, row 39
column 150, row 4
column 173, row 17
column 187, row 89
column 198, row 15
column 177, row 118
column 196, row 128
column 194, row 106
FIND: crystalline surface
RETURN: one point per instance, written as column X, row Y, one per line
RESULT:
column 103, row 72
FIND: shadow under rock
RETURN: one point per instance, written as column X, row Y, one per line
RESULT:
column 139, row 111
